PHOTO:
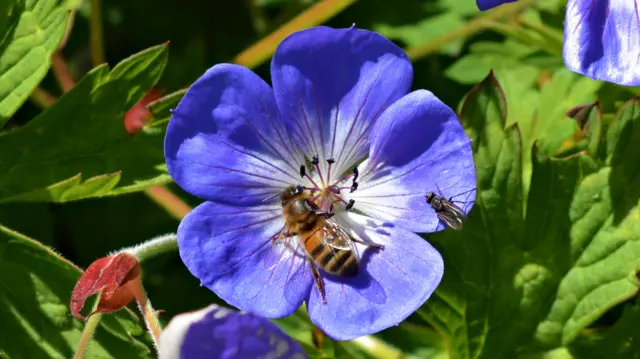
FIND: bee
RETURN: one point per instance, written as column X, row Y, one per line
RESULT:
column 452, row 215
column 326, row 244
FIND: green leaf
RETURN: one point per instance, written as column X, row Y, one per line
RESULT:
column 526, row 277
column 82, row 136
column 604, row 247
column 35, row 289
column 32, row 34
column 160, row 109
column 620, row 342
column 589, row 119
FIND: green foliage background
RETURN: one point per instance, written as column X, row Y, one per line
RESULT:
column 544, row 268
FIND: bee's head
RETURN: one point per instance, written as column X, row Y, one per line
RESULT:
column 429, row 197
column 291, row 193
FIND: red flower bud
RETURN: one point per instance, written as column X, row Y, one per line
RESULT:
column 115, row 277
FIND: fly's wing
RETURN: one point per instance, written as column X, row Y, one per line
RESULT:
column 335, row 236
column 454, row 210
column 451, row 218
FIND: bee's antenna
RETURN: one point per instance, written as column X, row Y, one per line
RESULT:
column 270, row 197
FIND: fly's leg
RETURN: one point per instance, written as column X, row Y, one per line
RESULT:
column 319, row 283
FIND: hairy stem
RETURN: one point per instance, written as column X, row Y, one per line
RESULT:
column 153, row 247
column 97, row 43
column 148, row 313
column 471, row 28
column 87, row 333
column 316, row 14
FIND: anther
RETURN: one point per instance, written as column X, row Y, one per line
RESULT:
column 354, row 186
column 331, row 161
column 315, row 160
column 303, row 171
column 350, row 204
column 355, row 174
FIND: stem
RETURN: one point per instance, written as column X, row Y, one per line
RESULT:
column 97, row 45
column 470, row 28
column 61, row 72
column 377, row 348
column 42, row 98
column 87, row 333
column 150, row 318
column 153, row 247
column 169, row 201
column 316, row 14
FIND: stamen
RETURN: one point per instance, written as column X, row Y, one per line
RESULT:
column 330, row 161
column 350, row 204
column 316, row 162
column 343, row 179
column 354, row 186
column 339, row 198
column 304, row 174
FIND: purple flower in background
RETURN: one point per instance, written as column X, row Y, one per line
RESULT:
column 219, row 333
column 339, row 96
column 601, row 38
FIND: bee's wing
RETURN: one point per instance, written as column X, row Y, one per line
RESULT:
column 335, row 236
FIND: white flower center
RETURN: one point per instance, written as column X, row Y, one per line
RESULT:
column 330, row 190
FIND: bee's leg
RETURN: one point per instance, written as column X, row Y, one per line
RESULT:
column 325, row 214
column 372, row 245
column 319, row 283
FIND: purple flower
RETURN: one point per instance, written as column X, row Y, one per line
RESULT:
column 601, row 38
column 219, row 333
column 339, row 96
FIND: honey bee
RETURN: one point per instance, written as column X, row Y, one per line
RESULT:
column 326, row 244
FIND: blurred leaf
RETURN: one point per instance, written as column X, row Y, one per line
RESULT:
column 425, row 30
column 519, row 284
column 82, row 135
column 32, row 33
column 35, row 288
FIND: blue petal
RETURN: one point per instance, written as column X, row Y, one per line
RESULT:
column 417, row 146
column 217, row 332
column 226, row 141
column 229, row 249
column 332, row 84
column 602, row 40
column 391, row 284
column 489, row 4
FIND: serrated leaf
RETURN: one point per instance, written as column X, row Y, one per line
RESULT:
column 604, row 238
column 83, row 133
column 25, row 50
column 160, row 108
column 35, row 288
column 515, row 284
